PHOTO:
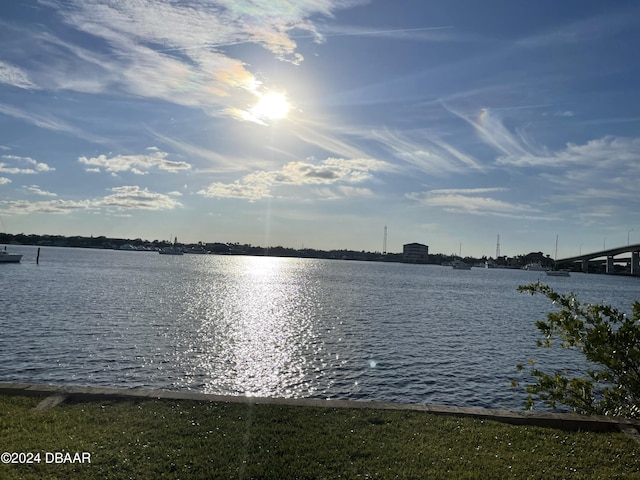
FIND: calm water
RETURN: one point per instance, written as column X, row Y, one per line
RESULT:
column 279, row 327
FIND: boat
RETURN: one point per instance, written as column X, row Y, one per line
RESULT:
column 555, row 272
column 458, row 264
column 196, row 251
column 535, row 267
column 6, row 257
column 558, row 273
column 172, row 250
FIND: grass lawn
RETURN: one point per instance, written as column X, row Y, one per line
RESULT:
column 155, row 439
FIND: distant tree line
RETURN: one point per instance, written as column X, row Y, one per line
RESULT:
column 200, row 247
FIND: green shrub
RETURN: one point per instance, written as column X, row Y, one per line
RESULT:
column 608, row 338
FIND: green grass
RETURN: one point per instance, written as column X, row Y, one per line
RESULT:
column 184, row 439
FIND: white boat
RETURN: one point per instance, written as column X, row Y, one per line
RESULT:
column 172, row 250
column 535, row 267
column 460, row 265
column 6, row 257
column 558, row 273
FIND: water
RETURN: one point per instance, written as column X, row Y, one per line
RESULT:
column 266, row 326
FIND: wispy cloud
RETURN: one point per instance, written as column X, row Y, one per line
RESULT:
column 342, row 192
column 330, row 135
column 48, row 122
column 15, row 76
column 427, row 152
column 565, row 174
column 169, row 50
column 216, row 162
column 474, row 201
column 518, row 150
column 491, row 129
column 431, row 34
column 565, row 113
column 35, row 189
column 587, row 29
column 607, row 152
column 137, row 164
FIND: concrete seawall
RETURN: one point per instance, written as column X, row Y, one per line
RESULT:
column 56, row 394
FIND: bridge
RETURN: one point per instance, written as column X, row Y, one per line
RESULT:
column 608, row 259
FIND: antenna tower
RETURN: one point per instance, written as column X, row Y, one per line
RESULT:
column 498, row 248
column 384, row 241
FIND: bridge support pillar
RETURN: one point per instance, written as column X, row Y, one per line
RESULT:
column 585, row 265
column 635, row 263
column 610, row 267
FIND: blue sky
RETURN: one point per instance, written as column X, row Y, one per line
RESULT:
column 318, row 122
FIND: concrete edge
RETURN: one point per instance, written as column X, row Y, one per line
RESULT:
column 562, row 421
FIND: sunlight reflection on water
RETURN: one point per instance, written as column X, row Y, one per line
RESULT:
column 254, row 331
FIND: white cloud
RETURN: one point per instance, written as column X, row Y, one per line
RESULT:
column 331, row 171
column 123, row 199
column 467, row 191
column 35, row 166
column 240, row 190
column 24, row 207
column 137, row 164
column 135, row 198
column 4, row 180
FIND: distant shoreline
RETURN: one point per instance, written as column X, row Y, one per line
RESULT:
column 235, row 248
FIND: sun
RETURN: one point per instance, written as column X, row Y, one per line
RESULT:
column 271, row 106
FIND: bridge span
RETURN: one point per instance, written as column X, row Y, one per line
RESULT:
column 608, row 258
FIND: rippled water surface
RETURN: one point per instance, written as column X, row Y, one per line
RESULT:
column 268, row 326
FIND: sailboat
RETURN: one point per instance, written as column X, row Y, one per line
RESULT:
column 555, row 272
column 6, row 257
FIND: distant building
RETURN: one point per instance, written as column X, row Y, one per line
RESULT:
column 415, row 253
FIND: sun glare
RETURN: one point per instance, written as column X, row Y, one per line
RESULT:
column 271, row 106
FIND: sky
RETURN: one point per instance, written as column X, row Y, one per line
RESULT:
column 316, row 123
